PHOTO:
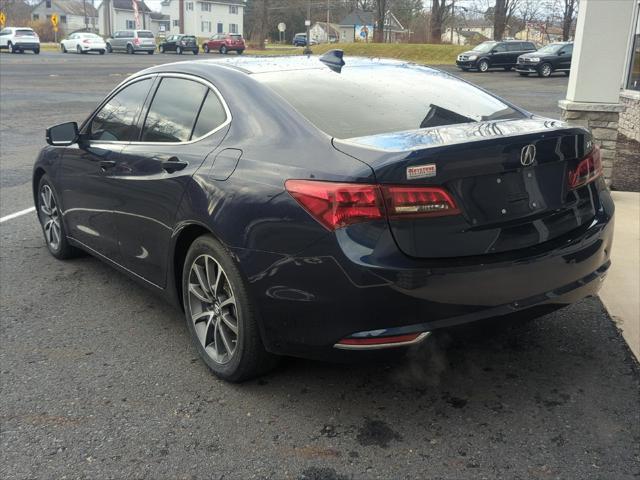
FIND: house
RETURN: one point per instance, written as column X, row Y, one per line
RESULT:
column 204, row 18
column 359, row 26
column 160, row 24
column 114, row 15
column 323, row 32
column 72, row 14
column 540, row 33
column 480, row 26
column 464, row 37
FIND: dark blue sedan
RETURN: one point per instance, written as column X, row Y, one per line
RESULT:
column 300, row 206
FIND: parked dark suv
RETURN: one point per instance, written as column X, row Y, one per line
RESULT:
column 494, row 55
column 179, row 43
column 555, row 57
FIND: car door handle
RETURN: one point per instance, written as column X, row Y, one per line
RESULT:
column 173, row 164
column 107, row 164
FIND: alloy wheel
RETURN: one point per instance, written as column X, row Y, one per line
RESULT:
column 546, row 70
column 50, row 217
column 11, row 50
column 213, row 310
column 483, row 66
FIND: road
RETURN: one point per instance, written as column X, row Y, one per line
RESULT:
column 99, row 379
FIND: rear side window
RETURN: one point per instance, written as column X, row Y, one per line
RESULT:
column 212, row 115
column 173, row 111
column 514, row 47
column 372, row 99
column 529, row 46
column 116, row 121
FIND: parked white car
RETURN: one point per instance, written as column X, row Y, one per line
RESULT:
column 83, row 42
column 19, row 39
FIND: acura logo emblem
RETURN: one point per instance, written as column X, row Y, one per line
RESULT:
column 528, row 155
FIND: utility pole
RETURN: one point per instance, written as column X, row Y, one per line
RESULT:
column 307, row 22
column 86, row 19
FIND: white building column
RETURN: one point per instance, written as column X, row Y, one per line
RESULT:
column 598, row 63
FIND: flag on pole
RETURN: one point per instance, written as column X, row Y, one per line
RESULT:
column 136, row 15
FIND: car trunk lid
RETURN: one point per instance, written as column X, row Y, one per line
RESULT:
column 509, row 179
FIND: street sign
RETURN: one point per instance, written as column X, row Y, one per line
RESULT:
column 307, row 23
column 282, row 27
column 54, row 20
column 3, row 19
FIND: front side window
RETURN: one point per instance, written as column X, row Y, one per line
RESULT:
column 501, row 47
column 514, row 47
column 189, row 5
column 567, row 50
column 175, row 23
column 173, row 111
column 116, row 121
column 484, row 47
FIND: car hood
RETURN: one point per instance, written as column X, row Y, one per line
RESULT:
column 534, row 54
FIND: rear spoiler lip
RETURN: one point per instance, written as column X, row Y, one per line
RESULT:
column 426, row 138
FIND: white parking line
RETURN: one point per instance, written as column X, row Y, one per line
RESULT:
column 17, row 214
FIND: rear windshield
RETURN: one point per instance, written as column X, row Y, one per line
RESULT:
column 145, row 35
column 236, row 37
column 188, row 37
column 369, row 100
column 25, row 33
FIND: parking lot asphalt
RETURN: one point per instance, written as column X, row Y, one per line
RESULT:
column 98, row 377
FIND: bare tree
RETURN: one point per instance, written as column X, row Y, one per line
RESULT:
column 502, row 14
column 568, row 15
column 381, row 12
column 440, row 11
column 528, row 12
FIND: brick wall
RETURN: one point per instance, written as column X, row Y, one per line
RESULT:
column 629, row 123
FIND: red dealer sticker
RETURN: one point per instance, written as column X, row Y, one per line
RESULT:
column 421, row 171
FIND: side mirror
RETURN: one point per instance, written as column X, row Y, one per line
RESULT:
column 63, row 135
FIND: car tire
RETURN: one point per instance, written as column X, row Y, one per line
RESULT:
column 240, row 52
column 63, row 49
column 196, row 51
column 483, row 66
column 161, row 49
column 223, row 50
column 220, row 316
column 566, row 74
column 130, row 49
column 109, row 48
column 50, row 217
column 36, row 51
column 545, row 70
column 78, row 49
column 11, row 48
column 523, row 74
column 101, row 52
column 150, row 52
column 179, row 50
column 205, row 48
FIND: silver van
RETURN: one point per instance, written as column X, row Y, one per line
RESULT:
column 132, row 41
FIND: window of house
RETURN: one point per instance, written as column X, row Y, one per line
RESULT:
column 205, row 27
column 171, row 117
column 131, row 24
column 633, row 81
column 206, row 7
column 63, row 19
column 233, row 28
column 233, row 9
column 220, row 27
column 176, row 23
column 48, row 3
column 36, row 17
column 189, row 5
column 116, row 121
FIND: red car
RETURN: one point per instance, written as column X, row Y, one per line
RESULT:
column 224, row 43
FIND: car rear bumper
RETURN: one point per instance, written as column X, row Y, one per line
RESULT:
column 27, row 46
column 339, row 289
column 144, row 48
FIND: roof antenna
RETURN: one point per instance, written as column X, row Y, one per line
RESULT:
column 333, row 60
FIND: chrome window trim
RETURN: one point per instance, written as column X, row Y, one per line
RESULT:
column 185, row 76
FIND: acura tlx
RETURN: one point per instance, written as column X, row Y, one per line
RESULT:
column 310, row 206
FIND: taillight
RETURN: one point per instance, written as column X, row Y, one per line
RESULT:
column 336, row 205
column 86, row 40
column 587, row 170
column 409, row 201
column 136, row 41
